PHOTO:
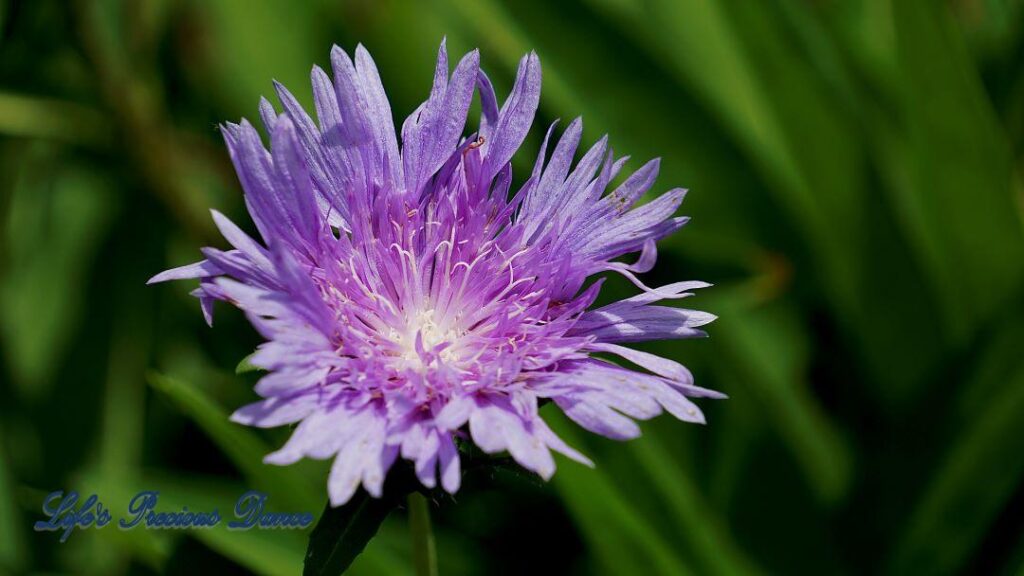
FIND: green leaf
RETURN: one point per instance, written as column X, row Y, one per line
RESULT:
column 55, row 221
column 424, row 551
column 616, row 532
column 12, row 545
column 772, row 74
column 344, row 531
column 959, row 208
column 744, row 69
column 245, row 365
column 977, row 477
column 115, row 471
column 1015, row 566
column 124, row 396
column 265, row 552
column 767, row 346
column 287, row 484
column 52, row 119
column 108, row 551
column 243, row 62
column 238, row 443
column 701, row 526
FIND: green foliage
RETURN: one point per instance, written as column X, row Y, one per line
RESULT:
column 855, row 184
column 623, row 539
column 11, row 523
column 960, row 207
column 245, row 365
column 343, row 532
column 56, row 213
column 241, row 445
column 953, row 514
column 262, row 552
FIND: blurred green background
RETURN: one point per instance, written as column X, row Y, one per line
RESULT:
column 854, row 168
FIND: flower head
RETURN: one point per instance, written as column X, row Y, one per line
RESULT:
column 410, row 298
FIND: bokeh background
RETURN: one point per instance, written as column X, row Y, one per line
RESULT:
column 854, row 172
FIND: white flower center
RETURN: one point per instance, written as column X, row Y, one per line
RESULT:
column 424, row 324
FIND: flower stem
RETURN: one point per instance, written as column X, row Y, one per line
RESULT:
column 424, row 555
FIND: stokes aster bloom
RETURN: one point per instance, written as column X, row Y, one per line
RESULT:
column 409, row 300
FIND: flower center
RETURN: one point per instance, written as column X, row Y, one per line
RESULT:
column 425, row 326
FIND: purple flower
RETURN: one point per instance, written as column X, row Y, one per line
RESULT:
column 409, row 300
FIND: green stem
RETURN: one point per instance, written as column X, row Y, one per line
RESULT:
column 424, row 555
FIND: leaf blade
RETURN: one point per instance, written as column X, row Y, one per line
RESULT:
column 239, row 444
column 977, row 476
column 343, row 532
column 959, row 203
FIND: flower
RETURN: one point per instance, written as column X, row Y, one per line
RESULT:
column 409, row 300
